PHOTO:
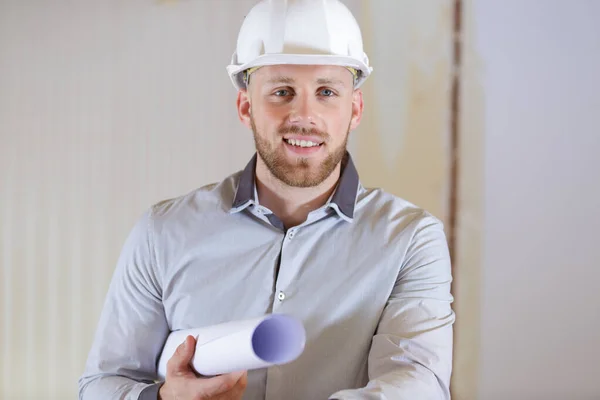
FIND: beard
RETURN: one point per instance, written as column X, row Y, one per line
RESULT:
column 300, row 172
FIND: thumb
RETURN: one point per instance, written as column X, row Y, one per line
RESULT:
column 179, row 362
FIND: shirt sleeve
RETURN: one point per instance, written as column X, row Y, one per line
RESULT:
column 132, row 327
column 411, row 351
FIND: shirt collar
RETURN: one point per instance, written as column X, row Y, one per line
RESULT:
column 343, row 199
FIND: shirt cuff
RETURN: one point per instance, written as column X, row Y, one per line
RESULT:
column 150, row 392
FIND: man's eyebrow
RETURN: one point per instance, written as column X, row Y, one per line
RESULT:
column 330, row 81
column 281, row 79
column 276, row 80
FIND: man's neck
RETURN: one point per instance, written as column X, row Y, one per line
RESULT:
column 292, row 204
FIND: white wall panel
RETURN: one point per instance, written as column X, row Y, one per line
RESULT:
column 527, row 265
column 540, row 312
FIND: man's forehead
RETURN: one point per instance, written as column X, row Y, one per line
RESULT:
column 321, row 74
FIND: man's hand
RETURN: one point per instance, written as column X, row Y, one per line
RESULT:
column 182, row 383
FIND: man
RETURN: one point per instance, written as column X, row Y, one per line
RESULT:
column 366, row 272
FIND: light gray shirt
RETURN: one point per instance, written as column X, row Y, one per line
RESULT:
column 368, row 274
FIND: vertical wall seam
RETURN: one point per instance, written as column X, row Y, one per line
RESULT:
column 454, row 127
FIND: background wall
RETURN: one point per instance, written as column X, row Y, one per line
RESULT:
column 530, row 141
column 108, row 106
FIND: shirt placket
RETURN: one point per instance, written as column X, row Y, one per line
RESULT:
column 283, row 302
column 286, row 286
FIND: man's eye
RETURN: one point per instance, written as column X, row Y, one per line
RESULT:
column 327, row 92
column 282, row 93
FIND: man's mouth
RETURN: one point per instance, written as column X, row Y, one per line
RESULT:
column 302, row 143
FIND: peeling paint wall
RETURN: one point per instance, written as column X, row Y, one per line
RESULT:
column 403, row 143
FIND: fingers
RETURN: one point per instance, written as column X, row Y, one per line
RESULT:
column 236, row 393
column 179, row 363
column 240, row 386
column 182, row 379
column 223, row 383
column 243, row 380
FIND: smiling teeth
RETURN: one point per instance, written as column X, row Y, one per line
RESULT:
column 301, row 143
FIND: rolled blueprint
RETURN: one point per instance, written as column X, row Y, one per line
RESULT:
column 273, row 339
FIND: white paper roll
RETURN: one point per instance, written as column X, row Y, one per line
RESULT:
column 273, row 339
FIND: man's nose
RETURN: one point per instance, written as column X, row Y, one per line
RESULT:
column 303, row 112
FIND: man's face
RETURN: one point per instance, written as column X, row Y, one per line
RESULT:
column 301, row 117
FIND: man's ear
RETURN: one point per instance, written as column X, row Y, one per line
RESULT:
column 357, row 108
column 244, row 108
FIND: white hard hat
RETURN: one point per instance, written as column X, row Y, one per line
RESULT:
column 308, row 32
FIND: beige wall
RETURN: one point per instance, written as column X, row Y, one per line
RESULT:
column 403, row 143
column 108, row 106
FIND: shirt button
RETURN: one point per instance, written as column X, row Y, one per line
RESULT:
column 291, row 233
column 281, row 296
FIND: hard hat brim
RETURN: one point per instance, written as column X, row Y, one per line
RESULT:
column 236, row 75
